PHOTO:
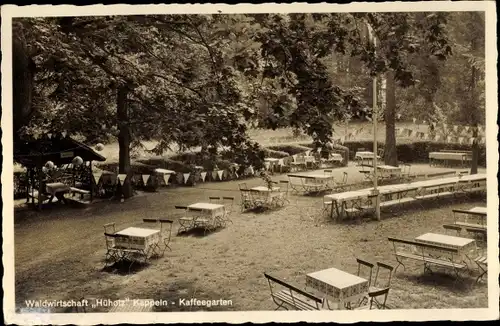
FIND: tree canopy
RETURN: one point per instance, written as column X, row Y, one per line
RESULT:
column 198, row 80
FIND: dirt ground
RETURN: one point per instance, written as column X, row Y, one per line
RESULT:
column 59, row 252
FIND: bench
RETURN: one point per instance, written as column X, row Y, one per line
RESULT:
column 79, row 191
column 441, row 174
column 418, row 253
column 292, row 296
column 456, row 151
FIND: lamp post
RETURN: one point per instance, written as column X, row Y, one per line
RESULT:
column 374, row 119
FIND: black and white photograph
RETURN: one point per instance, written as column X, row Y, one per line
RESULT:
column 186, row 163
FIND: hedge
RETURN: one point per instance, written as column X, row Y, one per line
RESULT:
column 417, row 151
column 274, row 154
column 290, row 149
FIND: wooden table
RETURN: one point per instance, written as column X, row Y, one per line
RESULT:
column 416, row 190
column 134, row 242
column 57, row 189
column 311, row 182
column 211, row 212
column 449, row 156
column 463, row 245
column 364, row 156
column 262, row 195
column 272, row 162
column 338, row 286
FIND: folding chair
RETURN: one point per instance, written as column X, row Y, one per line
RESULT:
column 283, row 193
column 380, row 152
column 214, row 200
column 456, row 228
column 371, row 300
column 165, row 225
column 228, row 207
column 377, row 287
column 482, row 263
column 405, row 171
column 185, row 222
column 246, row 200
column 110, row 228
column 363, row 264
column 112, row 252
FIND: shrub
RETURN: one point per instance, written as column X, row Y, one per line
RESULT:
column 275, row 154
column 165, row 163
column 135, row 167
column 416, row 152
column 290, row 149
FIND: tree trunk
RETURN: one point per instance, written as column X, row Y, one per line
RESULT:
column 390, row 154
column 475, row 150
column 475, row 119
column 23, row 74
column 124, row 139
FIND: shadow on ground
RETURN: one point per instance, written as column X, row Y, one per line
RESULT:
column 125, row 267
column 443, row 280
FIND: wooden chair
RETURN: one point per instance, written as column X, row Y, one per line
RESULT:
column 371, row 300
column 377, row 286
column 363, row 265
column 110, row 228
column 112, row 252
column 283, row 192
column 166, row 232
column 185, row 222
column 228, row 206
column 367, row 265
column 246, row 201
column 380, row 152
column 214, row 200
column 342, row 184
column 457, row 229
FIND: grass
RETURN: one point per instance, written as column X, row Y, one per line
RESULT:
column 59, row 252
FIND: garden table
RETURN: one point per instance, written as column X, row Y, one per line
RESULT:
column 272, row 163
column 206, row 214
column 262, row 195
column 449, row 156
column 137, row 240
column 312, row 182
column 362, row 156
column 57, row 189
column 338, row 286
column 463, row 245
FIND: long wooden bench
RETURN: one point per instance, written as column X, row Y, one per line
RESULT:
column 292, row 296
column 419, row 254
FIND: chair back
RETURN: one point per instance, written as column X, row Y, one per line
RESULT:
column 180, row 207
column 344, row 178
column 213, row 199
column 228, row 204
column 375, row 294
column 109, row 228
column 328, row 172
column 380, row 152
column 365, row 265
column 110, row 240
column 284, row 184
column 454, row 228
column 150, row 220
column 242, row 186
column 383, row 268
